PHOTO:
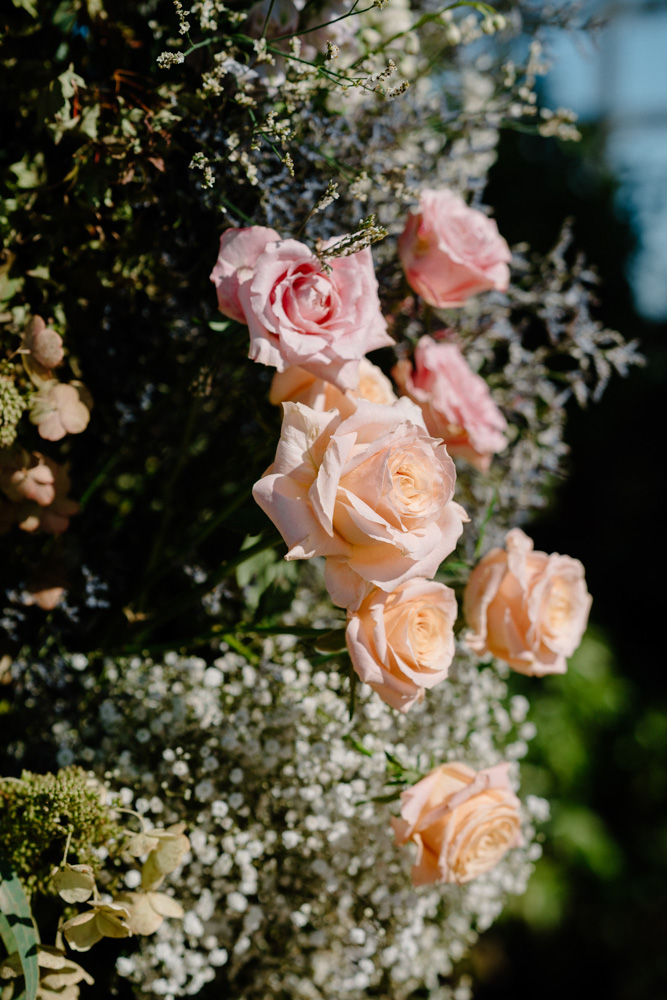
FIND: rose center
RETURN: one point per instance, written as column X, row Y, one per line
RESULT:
column 312, row 296
column 427, row 630
column 413, row 485
column 559, row 606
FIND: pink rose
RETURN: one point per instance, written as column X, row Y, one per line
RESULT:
column 527, row 608
column 372, row 492
column 402, row 643
column 456, row 403
column 463, row 822
column 297, row 314
column 449, row 251
column 296, row 385
column 239, row 250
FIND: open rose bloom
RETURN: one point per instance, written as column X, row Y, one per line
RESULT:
column 527, row 608
column 371, row 492
column 403, row 643
column 297, row 314
column 462, row 821
column 456, row 403
column 450, row 252
column 296, row 385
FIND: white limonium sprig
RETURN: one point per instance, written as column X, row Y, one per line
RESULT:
column 168, row 59
column 369, row 232
column 201, row 162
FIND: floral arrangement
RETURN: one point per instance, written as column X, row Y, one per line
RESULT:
column 296, row 709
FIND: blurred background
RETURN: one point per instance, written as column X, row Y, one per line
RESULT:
column 594, row 920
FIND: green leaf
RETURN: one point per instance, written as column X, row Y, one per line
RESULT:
column 17, row 927
column 7, row 935
column 331, row 642
column 28, row 5
column 359, row 747
column 392, row 797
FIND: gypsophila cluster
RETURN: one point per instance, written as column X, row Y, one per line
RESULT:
column 291, row 857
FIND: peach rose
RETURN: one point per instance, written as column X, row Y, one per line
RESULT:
column 462, row 821
column 456, row 403
column 449, row 251
column 239, row 250
column 527, row 608
column 372, row 492
column 296, row 385
column 298, row 314
column 403, row 642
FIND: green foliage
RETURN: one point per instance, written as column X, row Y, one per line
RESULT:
column 574, row 715
column 37, row 814
column 17, row 928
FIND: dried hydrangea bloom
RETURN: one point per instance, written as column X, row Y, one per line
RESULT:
column 27, row 477
column 74, row 883
column 102, row 920
column 171, row 847
column 58, row 409
column 59, row 976
column 53, row 518
column 45, row 597
column 148, row 909
column 41, row 349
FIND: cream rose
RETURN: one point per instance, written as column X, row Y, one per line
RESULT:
column 527, row 608
column 462, row 821
column 296, row 385
column 403, row 643
column 372, row 492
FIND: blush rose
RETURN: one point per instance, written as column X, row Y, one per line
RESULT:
column 527, row 608
column 456, row 403
column 371, row 492
column 298, row 314
column 450, row 251
column 463, row 822
column 403, row 642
